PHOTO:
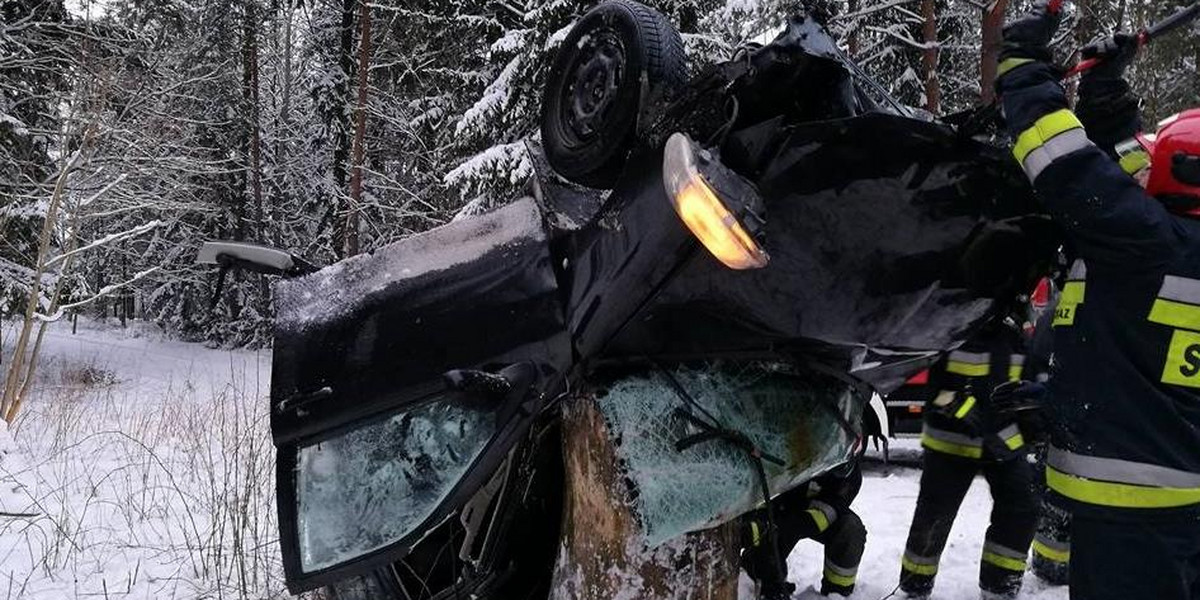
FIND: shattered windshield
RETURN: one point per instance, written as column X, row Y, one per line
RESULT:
column 797, row 418
column 370, row 487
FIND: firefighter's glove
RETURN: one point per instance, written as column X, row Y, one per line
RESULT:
column 1028, row 37
column 1014, row 398
column 1115, row 54
column 965, row 407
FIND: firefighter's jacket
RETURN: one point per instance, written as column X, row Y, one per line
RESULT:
column 959, row 419
column 1125, row 384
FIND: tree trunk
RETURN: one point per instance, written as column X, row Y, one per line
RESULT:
column 929, row 58
column 250, row 102
column 602, row 555
column 990, row 32
column 1086, row 29
column 852, row 41
column 281, row 195
column 253, row 137
column 350, row 247
column 341, row 149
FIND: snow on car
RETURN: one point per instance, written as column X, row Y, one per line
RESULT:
column 766, row 238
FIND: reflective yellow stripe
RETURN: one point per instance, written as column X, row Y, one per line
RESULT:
column 1014, row 373
column 755, row 536
column 1072, row 296
column 1121, row 495
column 1015, row 442
column 1135, row 161
column 967, row 369
column 966, row 407
column 1175, row 314
column 836, row 579
column 1044, row 129
column 1004, row 562
column 1073, row 292
column 1051, row 554
column 950, row 447
column 1009, row 64
column 819, row 518
column 1183, row 359
column 912, row 567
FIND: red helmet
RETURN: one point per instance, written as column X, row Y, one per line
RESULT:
column 1175, row 162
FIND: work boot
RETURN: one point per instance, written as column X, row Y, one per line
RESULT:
column 1049, row 571
column 776, row 591
column 919, row 591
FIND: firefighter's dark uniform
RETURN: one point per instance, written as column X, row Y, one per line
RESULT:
column 820, row 511
column 963, row 437
column 1051, row 546
column 1125, row 452
column 1109, row 112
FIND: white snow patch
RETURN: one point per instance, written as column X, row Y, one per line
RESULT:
column 512, row 41
column 139, row 468
column 511, row 159
column 494, row 98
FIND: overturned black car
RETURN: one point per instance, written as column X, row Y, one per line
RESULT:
column 772, row 237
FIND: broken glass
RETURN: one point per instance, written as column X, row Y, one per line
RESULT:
column 369, row 488
column 801, row 419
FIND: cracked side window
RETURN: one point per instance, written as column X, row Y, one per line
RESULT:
column 368, row 488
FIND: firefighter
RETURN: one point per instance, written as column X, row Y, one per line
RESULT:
column 820, row 511
column 963, row 436
column 1125, row 406
column 1024, row 401
column 1109, row 112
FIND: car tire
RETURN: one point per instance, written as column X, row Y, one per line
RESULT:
column 594, row 91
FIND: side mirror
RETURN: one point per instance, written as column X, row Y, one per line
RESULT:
column 253, row 257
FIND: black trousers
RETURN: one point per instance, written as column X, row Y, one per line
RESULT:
column 1052, row 545
column 798, row 517
column 944, row 483
column 1117, row 560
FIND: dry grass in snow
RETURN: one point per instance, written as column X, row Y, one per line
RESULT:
column 140, row 468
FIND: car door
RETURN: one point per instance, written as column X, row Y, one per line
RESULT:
column 401, row 380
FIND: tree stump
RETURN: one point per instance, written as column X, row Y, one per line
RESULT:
column 602, row 555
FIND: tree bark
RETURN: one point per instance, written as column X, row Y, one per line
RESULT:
column 852, row 43
column 250, row 101
column 991, row 33
column 360, row 126
column 251, row 104
column 1086, row 28
column 283, row 123
column 341, row 149
column 602, row 554
column 929, row 58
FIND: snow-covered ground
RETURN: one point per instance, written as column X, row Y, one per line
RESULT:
column 139, row 468
column 886, row 504
column 142, row 468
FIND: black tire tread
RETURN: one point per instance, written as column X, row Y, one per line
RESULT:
column 664, row 67
column 666, row 62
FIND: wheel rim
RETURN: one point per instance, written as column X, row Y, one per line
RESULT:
column 593, row 87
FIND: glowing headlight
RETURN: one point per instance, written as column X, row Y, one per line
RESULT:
column 728, row 235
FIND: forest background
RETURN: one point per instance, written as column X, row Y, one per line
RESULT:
column 131, row 131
